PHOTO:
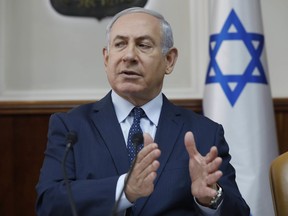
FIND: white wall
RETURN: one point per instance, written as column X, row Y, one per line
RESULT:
column 47, row 56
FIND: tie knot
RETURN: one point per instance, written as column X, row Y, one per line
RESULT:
column 138, row 113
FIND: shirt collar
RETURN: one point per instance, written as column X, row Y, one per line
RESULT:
column 123, row 107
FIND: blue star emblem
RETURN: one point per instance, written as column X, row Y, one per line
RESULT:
column 252, row 71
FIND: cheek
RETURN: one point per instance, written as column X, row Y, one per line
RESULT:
column 156, row 72
column 111, row 68
column 154, row 80
column 111, row 77
column 111, row 61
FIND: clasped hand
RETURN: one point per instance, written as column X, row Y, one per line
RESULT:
column 204, row 171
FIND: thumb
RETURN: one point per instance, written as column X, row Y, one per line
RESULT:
column 190, row 144
column 147, row 139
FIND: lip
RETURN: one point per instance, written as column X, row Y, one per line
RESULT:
column 130, row 73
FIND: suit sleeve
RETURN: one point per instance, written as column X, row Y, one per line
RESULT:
column 233, row 201
column 93, row 196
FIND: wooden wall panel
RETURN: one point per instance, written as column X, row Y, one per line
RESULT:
column 282, row 131
column 29, row 144
column 281, row 119
column 23, row 140
column 23, row 131
column 6, row 166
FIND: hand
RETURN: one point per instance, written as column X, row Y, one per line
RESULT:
column 141, row 182
column 204, row 171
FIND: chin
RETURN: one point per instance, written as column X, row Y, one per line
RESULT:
column 130, row 89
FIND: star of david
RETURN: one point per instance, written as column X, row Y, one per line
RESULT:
column 234, row 84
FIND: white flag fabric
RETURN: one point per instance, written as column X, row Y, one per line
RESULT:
column 237, row 95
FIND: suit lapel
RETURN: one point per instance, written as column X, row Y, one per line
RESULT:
column 171, row 123
column 106, row 122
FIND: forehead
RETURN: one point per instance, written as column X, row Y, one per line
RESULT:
column 136, row 25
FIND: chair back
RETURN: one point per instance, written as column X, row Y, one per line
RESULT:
column 279, row 184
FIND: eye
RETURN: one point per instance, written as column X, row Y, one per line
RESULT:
column 144, row 46
column 119, row 44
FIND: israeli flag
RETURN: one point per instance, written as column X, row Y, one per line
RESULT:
column 237, row 95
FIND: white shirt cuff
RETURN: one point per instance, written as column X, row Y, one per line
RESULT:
column 208, row 211
column 124, row 202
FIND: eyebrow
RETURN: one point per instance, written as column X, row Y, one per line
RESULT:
column 119, row 37
column 143, row 37
column 146, row 37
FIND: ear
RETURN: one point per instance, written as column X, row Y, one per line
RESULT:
column 171, row 58
column 105, row 56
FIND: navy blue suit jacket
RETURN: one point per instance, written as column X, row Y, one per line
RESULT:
column 99, row 157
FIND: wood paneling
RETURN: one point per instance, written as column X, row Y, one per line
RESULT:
column 23, row 140
column 23, row 130
column 281, row 119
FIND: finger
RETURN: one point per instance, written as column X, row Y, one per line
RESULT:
column 213, row 178
column 146, row 151
column 146, row 165
column 143, row 182
column 212, row 154
column 209, row 192
column 148, row 172
column 190, row 144
column 214, row 165
column 150, row 178
column 148, row 184
column 153, row 167
column 147, row 139
column 149, row 158
column 204, row 192
column 149, row 146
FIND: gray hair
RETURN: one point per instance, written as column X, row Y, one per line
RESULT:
column 167, row 34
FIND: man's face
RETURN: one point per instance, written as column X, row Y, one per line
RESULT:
column 135, row 65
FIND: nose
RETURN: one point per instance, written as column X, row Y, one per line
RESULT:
column 130, row 54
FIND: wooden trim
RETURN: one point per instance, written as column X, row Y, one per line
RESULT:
column 46, row 107
column 281, row 104
column 37, row 107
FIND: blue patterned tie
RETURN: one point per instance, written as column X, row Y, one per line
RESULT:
column 135, row 128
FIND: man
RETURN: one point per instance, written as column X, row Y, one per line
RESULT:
column 183, row 168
